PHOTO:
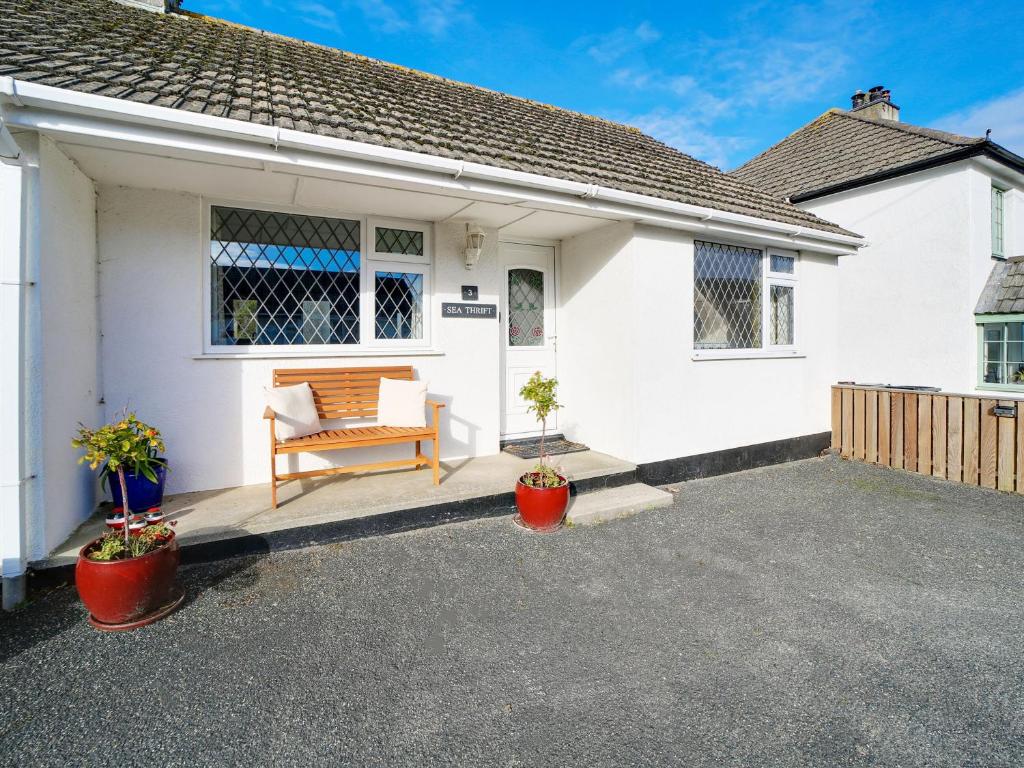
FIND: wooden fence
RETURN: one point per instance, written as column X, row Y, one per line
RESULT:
column 956, row 437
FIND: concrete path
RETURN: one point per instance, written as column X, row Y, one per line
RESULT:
column 819, row 613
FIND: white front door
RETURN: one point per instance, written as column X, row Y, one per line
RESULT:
column 528, row 330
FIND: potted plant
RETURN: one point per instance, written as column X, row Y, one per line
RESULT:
column 144, row 479
column 542, row 494
column 126, row 577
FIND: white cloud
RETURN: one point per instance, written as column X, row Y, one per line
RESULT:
column 433, row 17
column 699, row 84
column 318, row 15
column 612, row 46
column 679, row 129
column 437, row 16
column 631, row 78
column 384, row 16
column 646, row 33
column 1003, row 114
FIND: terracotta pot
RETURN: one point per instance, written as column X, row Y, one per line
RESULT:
column 542, row 508
column 128, row 592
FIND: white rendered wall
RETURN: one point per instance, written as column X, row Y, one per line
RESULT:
column 210, row 410
column 687, row 407
column 66, row 369
column 630, row 383
column 595, row 339
column 907, row 299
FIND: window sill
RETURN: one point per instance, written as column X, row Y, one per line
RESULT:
column 745, row 354
column 1013, row 389
column 335, row 353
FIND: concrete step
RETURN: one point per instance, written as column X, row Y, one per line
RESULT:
column 611, row 503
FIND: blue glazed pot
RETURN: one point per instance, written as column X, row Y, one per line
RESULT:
column 143, row 493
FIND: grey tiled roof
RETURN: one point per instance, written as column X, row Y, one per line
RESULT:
column 1004, row 291
column 198, row 64
column 842, row 147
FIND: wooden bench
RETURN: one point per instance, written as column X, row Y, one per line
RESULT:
column 348, row 393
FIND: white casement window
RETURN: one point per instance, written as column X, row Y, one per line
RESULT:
column 311, row 284
column 1001, row 354
column 744, row 300
column 998, row 223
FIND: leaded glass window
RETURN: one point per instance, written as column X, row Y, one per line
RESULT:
column 283, row 279
column 407, row 242
column 726, row 296
column 782, row 264
column 525, row 308
column 782, row 314
column 398, row 302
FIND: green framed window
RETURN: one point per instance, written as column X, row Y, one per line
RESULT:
column 1001, row 353
column 998, row 223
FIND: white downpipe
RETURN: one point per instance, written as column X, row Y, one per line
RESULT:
column 18, row 188
column 46, row 108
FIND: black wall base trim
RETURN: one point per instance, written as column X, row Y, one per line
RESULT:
column 733, row 459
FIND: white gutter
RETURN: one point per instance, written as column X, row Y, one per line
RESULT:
column 45, row 108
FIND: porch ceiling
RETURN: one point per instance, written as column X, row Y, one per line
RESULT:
column 257, row 182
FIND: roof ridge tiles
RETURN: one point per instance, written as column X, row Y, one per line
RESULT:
column 935, row 134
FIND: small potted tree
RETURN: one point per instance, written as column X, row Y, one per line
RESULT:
column 125, row 578
column 542, row 494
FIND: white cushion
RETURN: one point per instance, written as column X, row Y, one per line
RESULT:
column 295, row 411
column 402, row 403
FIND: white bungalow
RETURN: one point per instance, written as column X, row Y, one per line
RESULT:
column 187, row 205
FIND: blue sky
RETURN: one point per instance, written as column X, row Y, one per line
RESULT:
column 721, row 81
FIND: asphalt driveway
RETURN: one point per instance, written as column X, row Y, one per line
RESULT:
column 816, row 613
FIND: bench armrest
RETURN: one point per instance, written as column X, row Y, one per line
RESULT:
column 268, row 413
column 437, row 406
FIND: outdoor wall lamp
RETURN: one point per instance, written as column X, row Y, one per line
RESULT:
column 474, row 244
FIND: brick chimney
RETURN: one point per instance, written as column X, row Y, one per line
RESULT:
column 876, row 104
column 157, row 6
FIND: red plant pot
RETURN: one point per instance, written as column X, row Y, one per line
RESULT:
column 124, row 594
column 542, row 509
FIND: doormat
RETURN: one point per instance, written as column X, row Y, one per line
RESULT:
column 553, row 446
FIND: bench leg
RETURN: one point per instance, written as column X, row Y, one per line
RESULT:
column 273, row 482
column 437, row 459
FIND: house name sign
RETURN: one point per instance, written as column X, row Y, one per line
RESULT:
column 453, row 309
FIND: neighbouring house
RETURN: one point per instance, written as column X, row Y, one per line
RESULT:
column 936, row 296
column 187, row 204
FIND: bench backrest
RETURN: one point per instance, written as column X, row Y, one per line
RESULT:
column 341, row 393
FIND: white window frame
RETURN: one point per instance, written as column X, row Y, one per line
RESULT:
column 785, row 279
column 369, row 263
column 996, row 319
column 378, row 265
column 999, row 193
column 768, row 278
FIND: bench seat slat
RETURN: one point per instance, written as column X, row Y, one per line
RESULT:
column 357, row 434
